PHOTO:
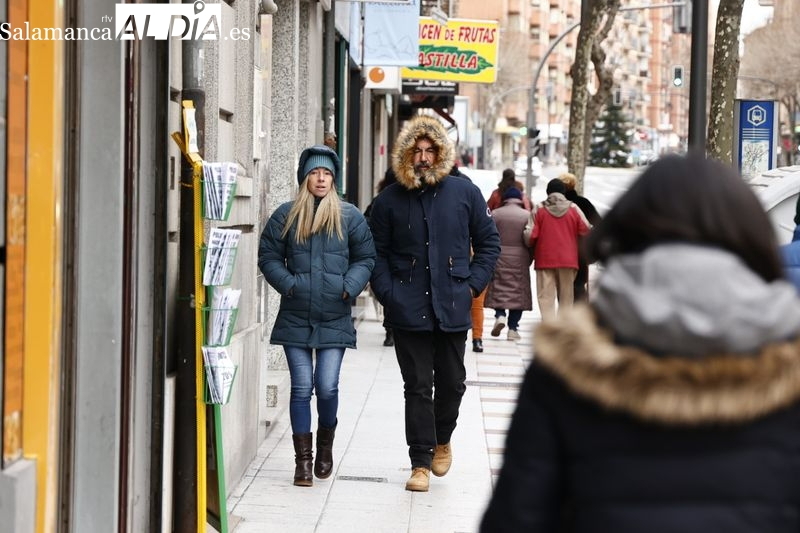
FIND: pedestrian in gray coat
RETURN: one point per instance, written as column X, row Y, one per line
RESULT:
column 317, row 252
column 510, row 287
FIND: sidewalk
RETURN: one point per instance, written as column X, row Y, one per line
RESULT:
column 366, row 491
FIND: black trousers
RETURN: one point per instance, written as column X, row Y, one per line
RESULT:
column 432, row 365
column 581, row 278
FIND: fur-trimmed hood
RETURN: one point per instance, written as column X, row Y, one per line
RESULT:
column 403, row 152
column 672, row 390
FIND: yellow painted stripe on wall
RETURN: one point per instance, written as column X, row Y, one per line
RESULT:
column 199, row 295
column 43, row 292
column 16, row 178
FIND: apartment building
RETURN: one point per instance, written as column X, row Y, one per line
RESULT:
column 642, row 47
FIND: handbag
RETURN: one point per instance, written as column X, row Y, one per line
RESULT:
column 527, row 230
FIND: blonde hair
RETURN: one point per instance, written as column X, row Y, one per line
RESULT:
column 569, row 180
column 328, row 216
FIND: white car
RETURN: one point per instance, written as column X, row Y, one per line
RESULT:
column 521, row 166
column 486, row 180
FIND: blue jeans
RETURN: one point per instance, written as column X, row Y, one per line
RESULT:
column 324, row 379
column 514, row 315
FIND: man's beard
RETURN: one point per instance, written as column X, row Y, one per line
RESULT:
column 421, row 168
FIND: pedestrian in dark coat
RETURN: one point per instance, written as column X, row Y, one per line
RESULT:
column 317, row 252
column 671, row 402
column 581, row 285
column 510, row 288
column 425, row 276
column 388, row 179
column 476, row 311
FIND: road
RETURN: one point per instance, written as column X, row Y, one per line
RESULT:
column 602, row 186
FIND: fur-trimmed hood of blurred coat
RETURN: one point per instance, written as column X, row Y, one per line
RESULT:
column 670, row 390
column 403, row 152
column 680, row 334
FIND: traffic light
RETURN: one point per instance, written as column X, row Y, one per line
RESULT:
column 682, row 18
column 533, row 142
column 677, row 76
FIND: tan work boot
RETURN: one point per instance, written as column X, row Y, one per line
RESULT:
column 442, row 459
column 420, row 479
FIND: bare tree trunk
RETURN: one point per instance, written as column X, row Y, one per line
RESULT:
column 605, row 85
column 576, row 152
column 791, row 105
column 725, row 71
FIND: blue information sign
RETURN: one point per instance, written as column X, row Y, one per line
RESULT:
column 756, row 136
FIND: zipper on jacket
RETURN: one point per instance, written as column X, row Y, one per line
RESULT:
column 450, row 264
column 411, row 274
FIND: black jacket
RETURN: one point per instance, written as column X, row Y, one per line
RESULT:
column 434, row 237
column 608, row 439
column 583, row 203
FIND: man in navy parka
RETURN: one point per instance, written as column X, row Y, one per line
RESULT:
column 436, row 248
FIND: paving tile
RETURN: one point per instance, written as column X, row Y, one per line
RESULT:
column 366, row 491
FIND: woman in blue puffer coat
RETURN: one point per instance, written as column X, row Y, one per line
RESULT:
column 317, row 252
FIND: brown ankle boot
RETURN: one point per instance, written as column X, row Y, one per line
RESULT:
column 302, row 459
column 442, row 459
column 324, row 462
column 419, row 480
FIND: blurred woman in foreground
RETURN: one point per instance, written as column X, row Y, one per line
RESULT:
column 670, row 404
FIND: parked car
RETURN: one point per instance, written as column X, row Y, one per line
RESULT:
column 647, row 156
column 778, row 190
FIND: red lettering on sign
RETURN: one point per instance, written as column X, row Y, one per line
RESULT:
column 469, row 34
column 430, row 31
column 453, row 61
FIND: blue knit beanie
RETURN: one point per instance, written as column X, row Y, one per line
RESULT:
column 317, row 161
column 512, row 192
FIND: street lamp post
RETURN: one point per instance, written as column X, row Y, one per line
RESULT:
column 533, row 132
column 697, row 81
column 530, row 181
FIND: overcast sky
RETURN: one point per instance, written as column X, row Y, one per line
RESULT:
column 753, row 15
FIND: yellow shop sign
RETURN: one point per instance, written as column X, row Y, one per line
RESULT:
column 462, row 50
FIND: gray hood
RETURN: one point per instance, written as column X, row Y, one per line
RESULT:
column 692, row 300
column 557, row 204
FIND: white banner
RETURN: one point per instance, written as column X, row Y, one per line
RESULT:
column 391, row 35
column 354, row 39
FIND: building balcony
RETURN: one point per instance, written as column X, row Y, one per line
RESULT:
column 536, row 18
column 514, row 7
column 515, row 113
column 536, row 51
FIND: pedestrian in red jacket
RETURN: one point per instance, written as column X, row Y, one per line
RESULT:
column 557, row 224
column 508, row 181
